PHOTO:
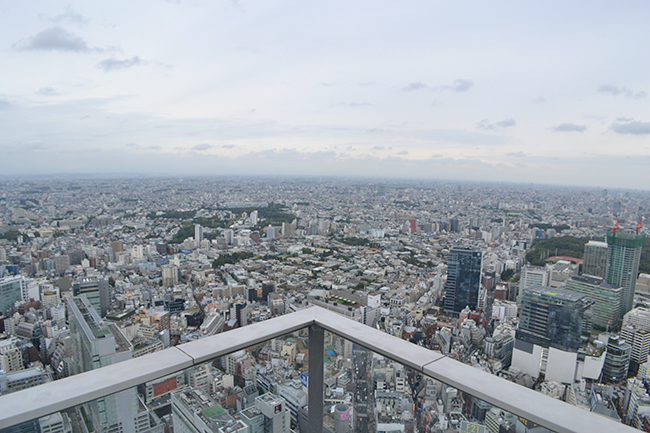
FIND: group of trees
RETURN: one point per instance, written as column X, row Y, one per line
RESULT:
column 274, row 213
column 11, row 235
column 358, row 242
column 214, row 222
column 225, row 259
column 186, row 231
column 558, row 228
column 558, row 246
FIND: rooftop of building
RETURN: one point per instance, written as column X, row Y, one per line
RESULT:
column 269, row 398
column 90, row 316
column 597, row 243
column 556, row 292
column 596, row 281
column 121, row 342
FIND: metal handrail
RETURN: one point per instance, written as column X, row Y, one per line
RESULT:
column 55, row 396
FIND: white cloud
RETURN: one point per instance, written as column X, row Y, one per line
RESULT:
column 53, row 39
column 112, row 64
column 569, row 127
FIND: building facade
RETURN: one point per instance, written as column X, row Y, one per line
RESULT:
column 463, row 279
column 534, row 276
column 595, row 259
column 607, row 300
column 623, row 258
column 554, row 317
column 12, row 289
column 96, row 291
column 636, row 332
column 95, row 345
column 617, row 360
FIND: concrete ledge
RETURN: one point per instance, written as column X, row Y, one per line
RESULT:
column 222, row 344
column 521, row 401
column 391, row 347
column 56, row 396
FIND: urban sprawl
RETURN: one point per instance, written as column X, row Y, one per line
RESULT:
column 545, row 286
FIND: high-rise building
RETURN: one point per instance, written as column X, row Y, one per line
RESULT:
column 287, row 230
column 229, row 235
column 617, row 360
column 117, row 247
column 11, row 357
column 277, row 417
column 96, row 291
column 161, row 247
column 607, row 300
column 61, row 263
column 551, row 326
column 170, row 275
column 12, row 289
column 241, row 313
column 341, row 418
column 198, row 234
column 534, row 276
column 499, row 349
column 268, row 287
column 95, row 345
column 636, row 332
column 623, row 258
column 463, row 279
column 595, row 259
column 554, row 317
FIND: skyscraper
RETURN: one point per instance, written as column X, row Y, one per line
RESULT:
column 96, row 291
column 554, row 317
column 623, row 258
column 607, row 299
column 463, row 279
column 617, row 360
column 95, row 345
column 595, row 259
column 636, row 332
column 12, row 289
column 198, row 234
column 551, row 326
column 534, row 276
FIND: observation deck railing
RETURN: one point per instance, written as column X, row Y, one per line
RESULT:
column 36, row 402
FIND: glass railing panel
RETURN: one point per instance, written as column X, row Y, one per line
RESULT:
column 366, row 391
column 247, row 390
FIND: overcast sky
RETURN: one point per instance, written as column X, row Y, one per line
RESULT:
column 544, row 92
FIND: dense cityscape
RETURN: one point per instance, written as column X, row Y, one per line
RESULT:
column 544, row 286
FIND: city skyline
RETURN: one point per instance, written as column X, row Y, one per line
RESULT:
column 140, row 275
column 506, row 92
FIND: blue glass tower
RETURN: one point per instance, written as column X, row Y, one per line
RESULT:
column 463, row 279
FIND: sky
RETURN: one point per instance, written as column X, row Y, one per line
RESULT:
column 550, row 92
